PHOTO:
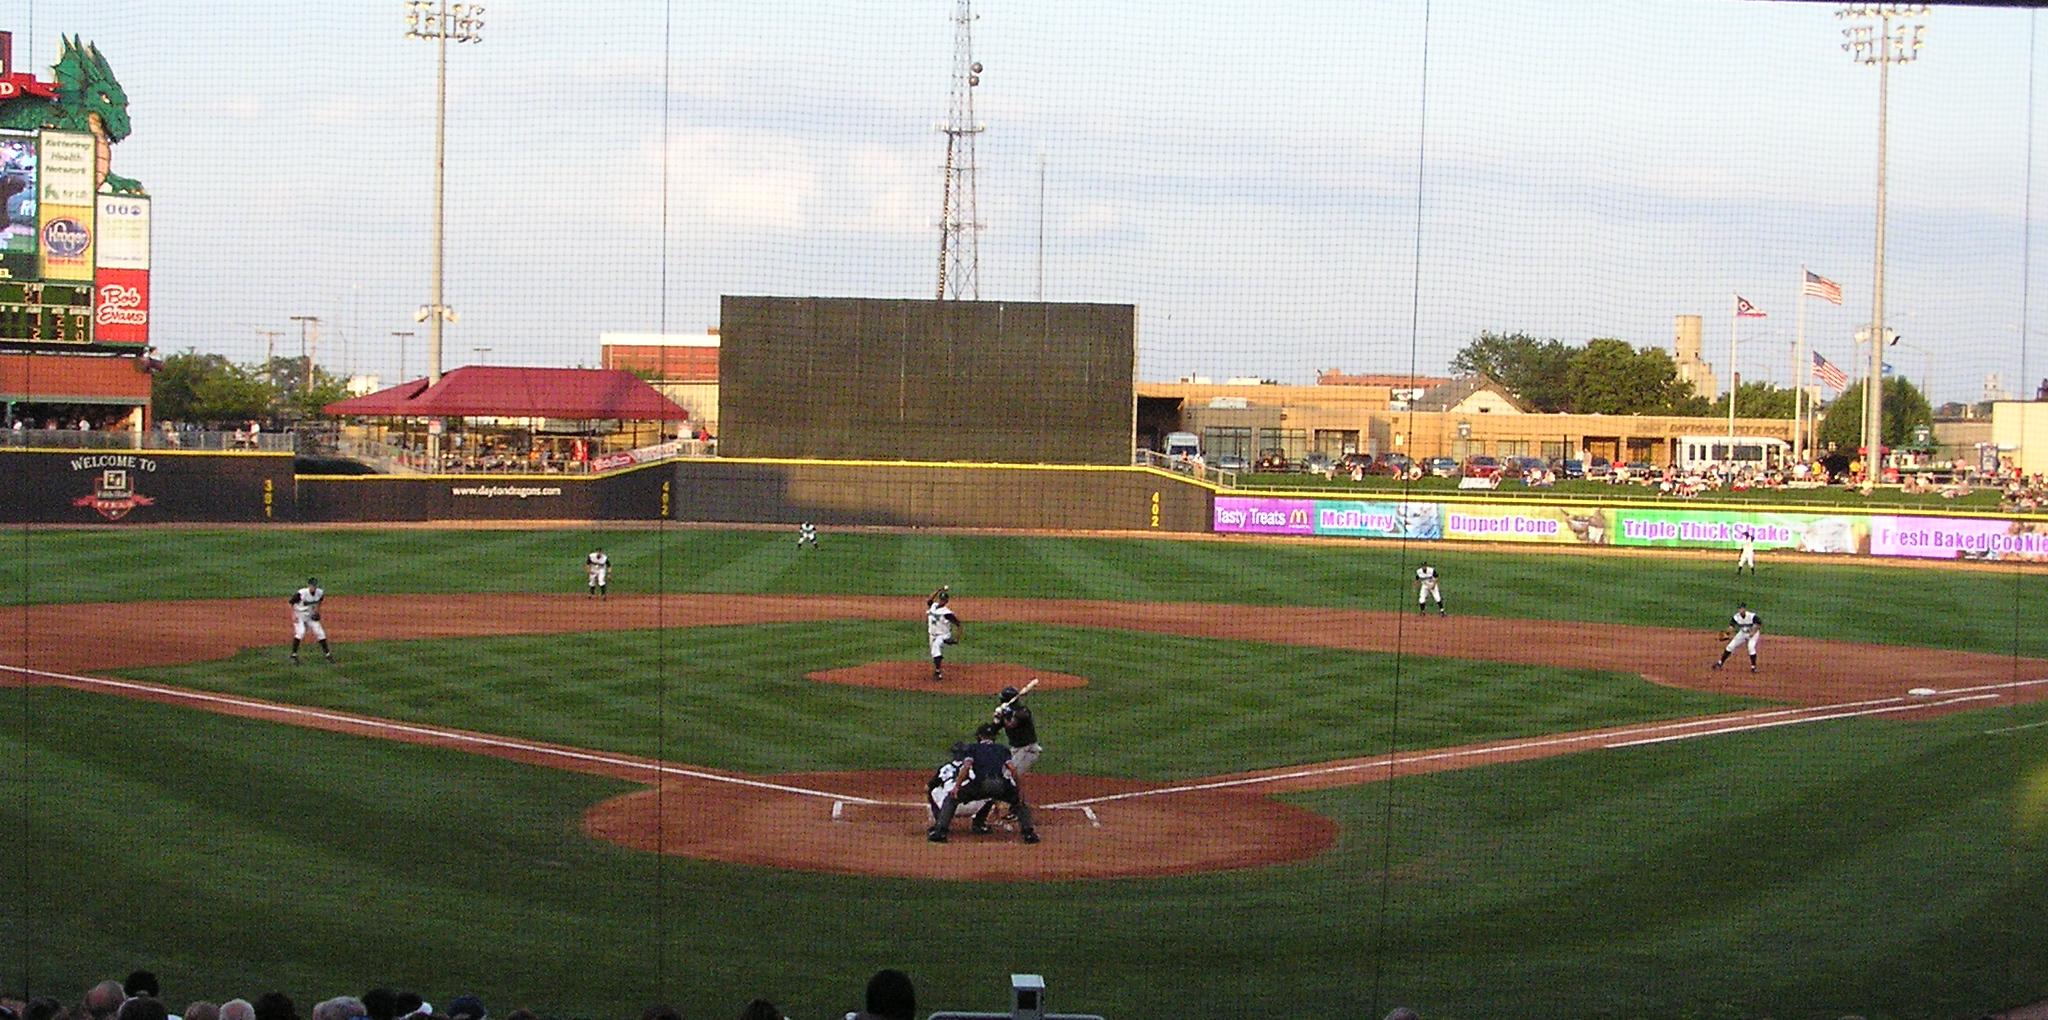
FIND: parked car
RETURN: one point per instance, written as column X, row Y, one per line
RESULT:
column 1271, row 459
column 1317, row 462
column 1519, row 467
column 1232, row 462
column 1442, row 467
column 1640, row 469
column 1480, row 467
column 1570, row 469
column 1391, row 464
column 1599, row 467
column 1355, row 460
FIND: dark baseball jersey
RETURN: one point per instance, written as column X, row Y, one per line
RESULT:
column 987, row 760
column 1017, row 724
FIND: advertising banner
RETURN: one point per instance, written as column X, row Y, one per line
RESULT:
column 66, row 242
column 1509, row 523
column 1378, row 520
column 66, row 177
column 123, row 232
column 120, row 312
column 1948, row 538
column 1723, row 529
column 1237, row 514
column 18, row 193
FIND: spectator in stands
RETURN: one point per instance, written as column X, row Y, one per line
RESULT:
column 142, row 1007
column 341, row 1007
column 413, row 1004
column 237, row 1009
column 103, row 999
column 890, row 997
column 761, row 1009
column 43, row 1007
column 143, row 982
column 201, row 1010
column 1403, row 1013
column 378, row 1004
column 272, row 1006
column 467, row 1007
column 660, row 1011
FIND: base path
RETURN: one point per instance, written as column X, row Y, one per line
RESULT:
column 873, row 822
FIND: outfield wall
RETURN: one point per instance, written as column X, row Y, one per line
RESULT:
column 114, row 486
column 1686, row 526
column 940, row 495
column 627, row 495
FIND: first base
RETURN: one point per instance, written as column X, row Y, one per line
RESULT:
column 1923, row 692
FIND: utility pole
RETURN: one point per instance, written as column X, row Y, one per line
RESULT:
column 403, row 335
column 439, row 21
column 960, row 214
column 1884, row 46
column 269, row 345
column 305, row 353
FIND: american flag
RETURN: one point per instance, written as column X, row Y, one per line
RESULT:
column 1745, row 310
column 1823, row 288
column 1829, row 372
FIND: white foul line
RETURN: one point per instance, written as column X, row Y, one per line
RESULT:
column 453, row 736
column 1804, row 719
column 2016, row 729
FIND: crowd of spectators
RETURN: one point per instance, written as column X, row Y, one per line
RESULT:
column 2024, row 493
column 890, row 996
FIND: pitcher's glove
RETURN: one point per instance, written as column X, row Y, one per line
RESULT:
column 1727, row 633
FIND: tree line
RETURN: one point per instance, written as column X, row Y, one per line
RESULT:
column 207, row 388
column 1610, row 376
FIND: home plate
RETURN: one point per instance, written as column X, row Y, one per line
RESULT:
column 1923, row 692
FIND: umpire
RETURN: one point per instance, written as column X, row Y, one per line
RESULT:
column 985, row 771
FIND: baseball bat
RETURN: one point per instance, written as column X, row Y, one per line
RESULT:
column 1026, row 690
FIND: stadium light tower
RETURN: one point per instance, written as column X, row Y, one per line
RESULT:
column 1881, row 34
column 960, row 215
column 440, row 21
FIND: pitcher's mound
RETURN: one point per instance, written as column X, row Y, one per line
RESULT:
column 964, row 678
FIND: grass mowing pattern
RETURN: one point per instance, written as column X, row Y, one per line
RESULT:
column 1806, row 597
column 1863, row 866
column 1158, row 707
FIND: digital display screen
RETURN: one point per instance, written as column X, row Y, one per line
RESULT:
column 45, row 312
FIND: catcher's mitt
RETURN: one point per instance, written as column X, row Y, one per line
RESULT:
column 952, row 641
column 316, row 615
column 1727, row 632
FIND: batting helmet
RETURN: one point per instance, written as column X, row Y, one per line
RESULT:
column 987, row 731
column 1009, row 693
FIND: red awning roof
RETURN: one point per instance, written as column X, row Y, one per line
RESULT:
column 511, row 392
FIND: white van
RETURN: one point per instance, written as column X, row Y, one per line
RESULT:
column 1183, row 444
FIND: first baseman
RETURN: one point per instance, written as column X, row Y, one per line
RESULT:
column 306, row 616
column 941, row 628
column 1427, row 588
column 1744, row 627
column 597, row 568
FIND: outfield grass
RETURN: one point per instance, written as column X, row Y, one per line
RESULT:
column 1945, row 608
column 1868, row 867
column 1157, row 707
column 1865, row 866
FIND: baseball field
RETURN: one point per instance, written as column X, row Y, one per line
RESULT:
column 1269, row 786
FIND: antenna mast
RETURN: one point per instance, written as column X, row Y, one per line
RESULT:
column 960, row 216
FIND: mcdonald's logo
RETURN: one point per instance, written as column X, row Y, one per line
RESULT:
column 1297, row 517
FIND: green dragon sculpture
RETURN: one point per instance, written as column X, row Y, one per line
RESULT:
column 87, row 99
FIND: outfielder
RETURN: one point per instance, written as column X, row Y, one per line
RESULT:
column 942, row 628
column 807, row 535
column 305, row 605
column 984, row 772
column 1426, row 588
column 1748, row 557
column 1744, row 626
column 597, row 568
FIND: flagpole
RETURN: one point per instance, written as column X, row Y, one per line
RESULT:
column 1734, row 311
column 1799, row 366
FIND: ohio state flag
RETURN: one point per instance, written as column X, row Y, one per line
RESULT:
column 1745, row 310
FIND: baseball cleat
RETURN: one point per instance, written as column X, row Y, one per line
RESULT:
column 1030, row 835
column 1752, row 669
column 295, row 658
column 935, row 836
column 1715, row 666
column 980, row 828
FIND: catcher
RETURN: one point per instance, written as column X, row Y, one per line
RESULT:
column 942, row 628
column 305, row 605
column 1743, row 627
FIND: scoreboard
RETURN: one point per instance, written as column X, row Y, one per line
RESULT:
column 45, row 312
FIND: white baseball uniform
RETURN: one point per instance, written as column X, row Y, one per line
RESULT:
column 807, row 535
column 599, row 568
column 305, row 613
column 939, row 623
column 1748, row 557
column 1748, row 628
column 1425, row 577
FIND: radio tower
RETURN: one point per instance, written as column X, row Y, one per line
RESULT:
column 960, row 217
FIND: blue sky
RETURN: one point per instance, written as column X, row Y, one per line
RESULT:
column 1245, row 174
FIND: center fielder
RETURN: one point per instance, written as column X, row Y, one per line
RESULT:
column 1744, row 627
column 942, row 628
column 305, row 605
column 1426, row 588
column 597, row 568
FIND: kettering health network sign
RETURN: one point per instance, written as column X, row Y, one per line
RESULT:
column 1655, row 527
